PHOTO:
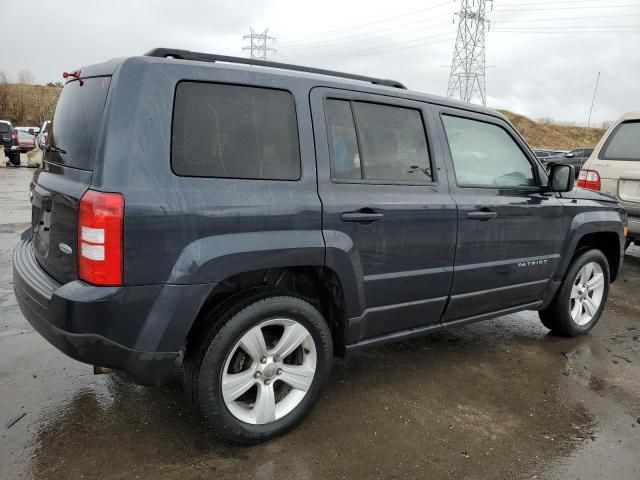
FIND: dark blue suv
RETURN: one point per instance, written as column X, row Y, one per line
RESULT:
column 258, row 218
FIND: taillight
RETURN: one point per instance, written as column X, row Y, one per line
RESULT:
column 589, row 179
column 100, row 238
column 14, row 135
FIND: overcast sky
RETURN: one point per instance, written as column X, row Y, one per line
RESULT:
column 544, row 55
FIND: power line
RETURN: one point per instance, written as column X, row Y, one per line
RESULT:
column 371, row 51
column 258, row 44
column 349, row 28
column 467, row 80
column 364, row 34
column 546, row 9
column 362, row 41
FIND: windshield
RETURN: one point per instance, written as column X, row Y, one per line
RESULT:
column 76, row 122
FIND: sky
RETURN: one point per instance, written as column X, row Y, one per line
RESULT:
column 543, row 56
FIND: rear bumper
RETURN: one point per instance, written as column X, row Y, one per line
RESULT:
column 137, row 329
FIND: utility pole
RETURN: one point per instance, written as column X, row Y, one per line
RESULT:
column 467, row 80
column 258, row 44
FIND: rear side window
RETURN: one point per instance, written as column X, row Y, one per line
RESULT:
column 232, row 131
column 385, row 143
column 623, row 143
column 76, row 122
column 485, row 155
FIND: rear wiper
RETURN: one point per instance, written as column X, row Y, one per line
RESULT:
column 53, row 148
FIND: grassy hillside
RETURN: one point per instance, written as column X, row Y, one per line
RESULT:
column 28, row 105
column 554, row 136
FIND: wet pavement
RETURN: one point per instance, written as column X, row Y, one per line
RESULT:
column 500, row 399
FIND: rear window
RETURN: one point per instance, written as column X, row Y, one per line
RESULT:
column 231, row 131
column 76, row 122
column 623, row 143
column 4, row 128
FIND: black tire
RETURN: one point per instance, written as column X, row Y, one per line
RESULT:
column 206, row 366
column 15, row 159
column 557, row 316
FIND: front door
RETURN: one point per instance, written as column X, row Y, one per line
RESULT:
column 510, row 231
column 387, row 212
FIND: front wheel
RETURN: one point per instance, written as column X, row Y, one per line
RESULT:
column 264, row 369
column 581, row 298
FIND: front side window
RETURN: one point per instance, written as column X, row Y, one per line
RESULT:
column 623, row 143
column 384, row 143
column 232, row 131
column 485, row 155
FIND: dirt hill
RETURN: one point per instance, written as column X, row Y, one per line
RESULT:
column 28, row 105
column 554, row 136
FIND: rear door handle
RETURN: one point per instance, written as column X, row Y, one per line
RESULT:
column 365, row 215
column 482, row 215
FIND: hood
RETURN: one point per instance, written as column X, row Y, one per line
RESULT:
column 584, row 194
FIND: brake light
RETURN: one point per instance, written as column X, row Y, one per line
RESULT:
column 589, row 179
column 100, row 227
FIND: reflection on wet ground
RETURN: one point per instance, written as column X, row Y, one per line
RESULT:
column 502, row 399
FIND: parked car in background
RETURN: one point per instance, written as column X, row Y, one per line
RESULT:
column 26, row 141
column 260, row 220
column 10, row 142
column 41, row 137
column 576, row 158
column 614, row 167
column 30, row 130
column 543, row 154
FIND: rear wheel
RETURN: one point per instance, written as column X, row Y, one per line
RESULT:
column 581, row 298
column 15, row 159
column 263, row 370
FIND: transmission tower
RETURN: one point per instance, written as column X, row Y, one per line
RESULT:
column 259, row 44
column 467, row 77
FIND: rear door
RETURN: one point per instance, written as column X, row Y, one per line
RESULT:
column 509, row 232
column 65, row 175
column 386, row 208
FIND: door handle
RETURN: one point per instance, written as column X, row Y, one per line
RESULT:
column 365, row 215
column 482, row 215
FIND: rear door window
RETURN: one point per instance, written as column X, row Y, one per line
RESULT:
column 623, row 143
column 76, row 122
column 232, row 131
column 384, row 143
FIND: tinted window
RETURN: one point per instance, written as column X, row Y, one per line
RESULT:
column 231, row 131
column 392, row 141
column 76, row 122
column 343, row 143
column 623, row 143
column 4, row 128
column 485, row 155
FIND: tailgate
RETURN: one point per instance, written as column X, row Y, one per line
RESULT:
column 65, row 175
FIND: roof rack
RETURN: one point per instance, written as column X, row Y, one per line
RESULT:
column 210, row 57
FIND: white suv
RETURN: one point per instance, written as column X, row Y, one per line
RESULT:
column 614, row 167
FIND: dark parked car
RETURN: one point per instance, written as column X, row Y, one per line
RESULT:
column 575, row 158
column 261, row 220
column 9, row 137
column 543, row 155
column 26, row 141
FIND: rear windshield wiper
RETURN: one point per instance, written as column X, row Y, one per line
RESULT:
column 53, row 148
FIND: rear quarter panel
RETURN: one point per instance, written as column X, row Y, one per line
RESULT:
column 186, row 230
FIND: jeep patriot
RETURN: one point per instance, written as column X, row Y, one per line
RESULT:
column 256, row 219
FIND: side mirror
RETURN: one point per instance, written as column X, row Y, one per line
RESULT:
column 561, row 178
column 31, row 131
